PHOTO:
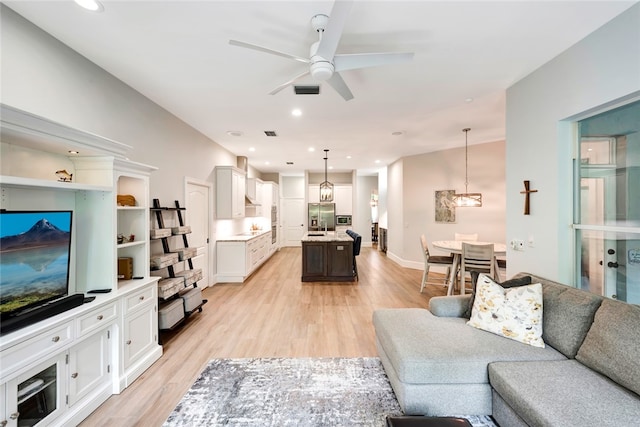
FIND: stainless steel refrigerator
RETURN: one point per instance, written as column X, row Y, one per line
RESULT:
column 322, row 216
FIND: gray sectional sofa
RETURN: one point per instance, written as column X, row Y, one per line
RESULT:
column 587, row 375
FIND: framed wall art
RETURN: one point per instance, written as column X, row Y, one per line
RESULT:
column 445, row 208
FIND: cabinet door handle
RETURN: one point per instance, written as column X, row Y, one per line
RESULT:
column 128, row 342
column 15, row 415
column 74, row 375
column 3, row 423
column 55, row 339
column 141, row 297
column 100, row 317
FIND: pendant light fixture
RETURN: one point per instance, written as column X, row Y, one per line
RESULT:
column 467, row 199
column 326, row 188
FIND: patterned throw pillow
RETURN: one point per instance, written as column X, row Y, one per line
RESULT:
column 511, row 283
column 514, row 313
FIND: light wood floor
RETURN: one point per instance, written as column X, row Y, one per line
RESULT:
column 272, row 314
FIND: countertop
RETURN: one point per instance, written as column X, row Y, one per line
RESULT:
column 329, row 236
column 243, row 237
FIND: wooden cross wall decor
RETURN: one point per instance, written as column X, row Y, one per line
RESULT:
column 527, row 192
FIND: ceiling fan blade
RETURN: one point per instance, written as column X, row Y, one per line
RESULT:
column 332, row 33
column 340, row 86
column 267, row 50
column 290, row 82
column 364, row 60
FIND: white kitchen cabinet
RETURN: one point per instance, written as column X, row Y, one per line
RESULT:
column 343, row 198
column 231, row 261
column 230, row 192
column 314, row 194
column 237, row 259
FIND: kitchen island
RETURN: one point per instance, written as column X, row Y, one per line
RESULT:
column 327, row 257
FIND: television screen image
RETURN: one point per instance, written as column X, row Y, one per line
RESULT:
column 35, row 252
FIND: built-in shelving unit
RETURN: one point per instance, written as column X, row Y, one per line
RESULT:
column 76, row 359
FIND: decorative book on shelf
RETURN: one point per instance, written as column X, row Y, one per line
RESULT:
column 175, row 284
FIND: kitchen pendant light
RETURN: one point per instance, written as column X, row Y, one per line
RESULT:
column 467, row 199
column 326, row 188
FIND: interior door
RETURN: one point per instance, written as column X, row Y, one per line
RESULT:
column 609, row 213
column 198, row 216
column 293, row 219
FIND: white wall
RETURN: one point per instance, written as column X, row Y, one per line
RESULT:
column 44, row 77
column 395, row 216
column 602, row 68
column 362, row 210
column 424, row 174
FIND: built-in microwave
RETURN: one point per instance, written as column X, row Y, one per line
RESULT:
column 343, row 220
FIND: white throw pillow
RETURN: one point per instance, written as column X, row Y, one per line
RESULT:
column 514, row 313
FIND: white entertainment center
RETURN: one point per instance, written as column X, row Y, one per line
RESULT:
column 60, row 369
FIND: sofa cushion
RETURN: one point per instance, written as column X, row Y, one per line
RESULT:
column 563, row 393
column 511, row 283
column 568, row 314
column 514, row 313
column 613, row 343
column 427, row 349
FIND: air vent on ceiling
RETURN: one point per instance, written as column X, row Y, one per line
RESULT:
column 289, row 163
column 307, row 90
column 270, row 133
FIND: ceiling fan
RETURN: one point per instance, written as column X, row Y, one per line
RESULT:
column 324, row 63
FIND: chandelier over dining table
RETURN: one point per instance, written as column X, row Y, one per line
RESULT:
column 467, row 199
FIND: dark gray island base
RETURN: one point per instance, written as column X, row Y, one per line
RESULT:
column 327, row 257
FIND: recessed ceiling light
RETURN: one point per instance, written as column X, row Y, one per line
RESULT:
column 330, row 167
column 74, row 152
column 467, row 100
column 377, row 161
column 267, row 163
column 234, row 133
column 252, row 149
column 311, row 149
column 348, row 157
column 296, row 112
column 92, row 5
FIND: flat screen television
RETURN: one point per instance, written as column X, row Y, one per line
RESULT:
column 35, row 251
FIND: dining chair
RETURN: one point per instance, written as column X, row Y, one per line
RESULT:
column 466, row 237
column 433, row 260
column 478, row 258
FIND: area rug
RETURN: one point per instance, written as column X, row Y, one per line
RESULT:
column 298, row 392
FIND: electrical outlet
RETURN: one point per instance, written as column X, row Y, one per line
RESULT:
column 517, row 245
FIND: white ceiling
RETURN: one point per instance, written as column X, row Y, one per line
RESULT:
column 177, row 54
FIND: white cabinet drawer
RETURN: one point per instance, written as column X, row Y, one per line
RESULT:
column 139, row 298
column 95, row 319
column 42, row 345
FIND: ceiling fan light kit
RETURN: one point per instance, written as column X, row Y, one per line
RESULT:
column 466, row 199
column 324, row 64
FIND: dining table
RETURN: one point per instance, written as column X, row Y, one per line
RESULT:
column 455, row 248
